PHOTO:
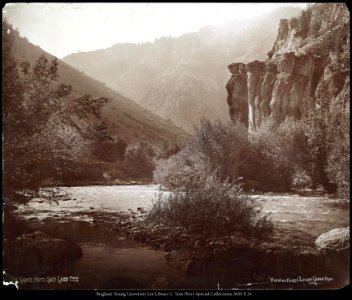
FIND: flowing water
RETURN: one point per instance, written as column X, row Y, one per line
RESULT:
column 111, row 261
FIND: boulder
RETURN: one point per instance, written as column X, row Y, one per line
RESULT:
column 37, row 253
column 334, row 247
column 335, row 240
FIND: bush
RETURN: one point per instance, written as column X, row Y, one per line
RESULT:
column 175, row 172
column 223, row 147
column 295, row 149
column 167, row 150
column 226, row 149
column 266, row 169
column 138, row 163
column 215, row 147
column 211, row 205
column 306, row 153
column 293, row 141
column 110, row 151
column 338, row 157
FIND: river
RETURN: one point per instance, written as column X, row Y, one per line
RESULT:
column 111, row 261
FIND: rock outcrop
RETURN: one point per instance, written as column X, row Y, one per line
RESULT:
column 237, row 97
column 255, row 71
column 309, row 58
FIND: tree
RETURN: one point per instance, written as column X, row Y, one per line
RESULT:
column 138, row 163
column 223, row 145
column 294, row 151
column 45, row 133
column 167, row 150
column 227, row 150
column 338, row 154
column 110, row 151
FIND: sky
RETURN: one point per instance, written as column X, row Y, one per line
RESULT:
column 65, row 28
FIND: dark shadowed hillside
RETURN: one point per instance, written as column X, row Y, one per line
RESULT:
column 125, row 118
column 183, row 78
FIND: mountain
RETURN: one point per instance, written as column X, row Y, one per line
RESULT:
column 124, row 117
column 182, row 79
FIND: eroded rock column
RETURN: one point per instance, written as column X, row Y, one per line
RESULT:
column 255, row 72
column 268, row 83
column 279, row 103
column 237, row 99
column 274, row 90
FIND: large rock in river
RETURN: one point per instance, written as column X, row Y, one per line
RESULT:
column 335, row 247
column 335, row 240
column 37, row 253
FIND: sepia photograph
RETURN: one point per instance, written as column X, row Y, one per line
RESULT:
column 179, row 147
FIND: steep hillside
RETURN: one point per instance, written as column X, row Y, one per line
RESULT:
column 309, row 59
column 125, row 118
column 182, row 79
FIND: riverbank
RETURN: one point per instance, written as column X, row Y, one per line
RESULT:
column 116, row 182
column 106, row 220
column 236, row 260
column 194, row 259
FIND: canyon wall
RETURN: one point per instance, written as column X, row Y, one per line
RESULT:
column 309, row 60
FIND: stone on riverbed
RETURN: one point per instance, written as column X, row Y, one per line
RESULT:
column 38, row 253
column 334, row 247
column 337, row 239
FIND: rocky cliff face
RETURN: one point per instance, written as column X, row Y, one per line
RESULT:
column 310, row 58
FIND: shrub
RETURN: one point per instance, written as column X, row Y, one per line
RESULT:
column 211, row 205
column 138, row 163
column 294, row 149
column 338, row 157
column 174, row 172
column 293, row 141
column 167, row 150
column 266, row 169
column 223, row 146
column 226, row 149
column 215, row 147
column 110, row 151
